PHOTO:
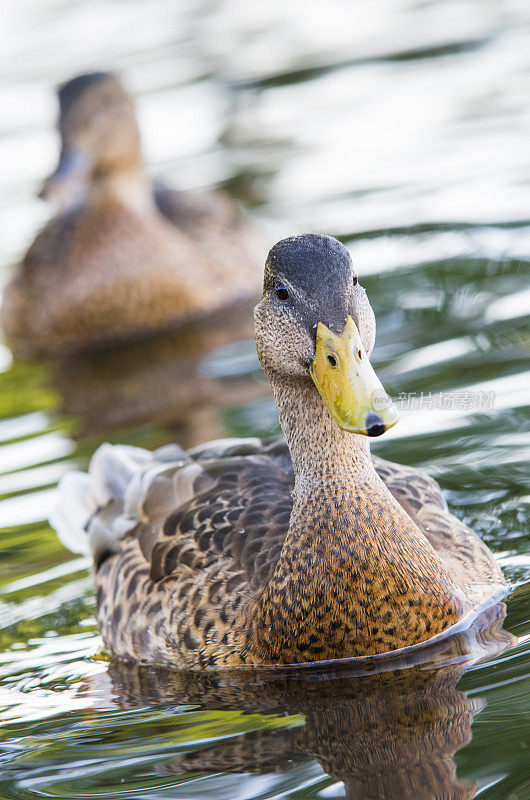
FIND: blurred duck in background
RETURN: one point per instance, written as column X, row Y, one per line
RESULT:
column 122, row 257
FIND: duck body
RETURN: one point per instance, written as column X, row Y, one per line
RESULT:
column 123, row 257
column 295, row 550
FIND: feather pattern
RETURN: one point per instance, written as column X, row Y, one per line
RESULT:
column 191, row 538
column 244, row 551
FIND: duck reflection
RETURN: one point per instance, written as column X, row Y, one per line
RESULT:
column 175, row 378
column 386, row 728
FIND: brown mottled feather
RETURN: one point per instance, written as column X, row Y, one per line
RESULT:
column 459, row 547
column 178, row 588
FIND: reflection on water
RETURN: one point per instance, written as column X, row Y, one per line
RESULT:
column 173, row 378
column 362, row 732
column 403, row 128
column 385, row 735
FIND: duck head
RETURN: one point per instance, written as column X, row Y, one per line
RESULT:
column 314, row 323
column 99, row 135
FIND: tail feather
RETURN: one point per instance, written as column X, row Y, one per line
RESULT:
column 87, row 516
column 111, row 470
column 72, row 512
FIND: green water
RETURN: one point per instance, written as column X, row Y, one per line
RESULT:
column 401, row 128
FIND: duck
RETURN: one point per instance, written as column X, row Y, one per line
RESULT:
column 300, row 549
column 123, row 256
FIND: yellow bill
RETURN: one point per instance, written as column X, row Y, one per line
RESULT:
column 348, row 384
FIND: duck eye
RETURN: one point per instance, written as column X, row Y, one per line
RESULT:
column 281, row 292
column 355, row 280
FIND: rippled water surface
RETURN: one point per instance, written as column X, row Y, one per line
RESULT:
column 404, row 129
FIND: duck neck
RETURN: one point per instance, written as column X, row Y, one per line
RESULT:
column 355, row 575
column 127, row 184
column 328, row 462
column 320, row 451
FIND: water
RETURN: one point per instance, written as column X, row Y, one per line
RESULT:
column 403, row 129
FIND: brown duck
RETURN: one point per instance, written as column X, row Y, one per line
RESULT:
column 122, row 257
column 287, row 551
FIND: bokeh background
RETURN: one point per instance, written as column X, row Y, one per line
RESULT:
column 404, row 129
